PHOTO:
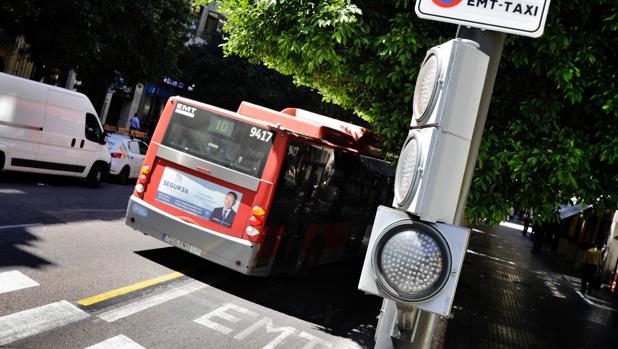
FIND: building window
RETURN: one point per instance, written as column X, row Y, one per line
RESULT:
column 196, row 16
column 214, row 26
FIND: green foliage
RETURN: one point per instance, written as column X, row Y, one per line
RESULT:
column 140, row 38
column 227, row 81
column 361, row 56
column 552, row 126
column 13, row 13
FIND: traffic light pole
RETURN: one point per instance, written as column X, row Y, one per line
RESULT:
column 491, row 43
column 419, row 329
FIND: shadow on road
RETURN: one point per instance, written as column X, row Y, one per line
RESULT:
column 328, row 297
column 11, row 252
column 27, row 198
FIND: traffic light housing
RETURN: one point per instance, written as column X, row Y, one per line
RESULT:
column 449, row 86
column 413, row 263
column 433, row 159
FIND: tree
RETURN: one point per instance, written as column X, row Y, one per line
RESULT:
column 13, row 13
column 551, row 129
column 227, row 81
column 141, row 39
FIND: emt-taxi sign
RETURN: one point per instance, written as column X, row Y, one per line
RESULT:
column 521, row 17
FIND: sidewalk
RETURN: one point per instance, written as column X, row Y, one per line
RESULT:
column 509, row 297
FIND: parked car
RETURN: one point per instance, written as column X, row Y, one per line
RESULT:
column 127, row 156
column 52, row 130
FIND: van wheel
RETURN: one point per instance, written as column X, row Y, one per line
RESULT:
column 123, row 176
column 95, row 176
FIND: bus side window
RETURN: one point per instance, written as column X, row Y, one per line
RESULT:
column 318, row 159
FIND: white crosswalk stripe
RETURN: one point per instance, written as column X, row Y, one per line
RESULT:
column 14, row 280
column 33, row 321
column 119, row 342
column 135, row 307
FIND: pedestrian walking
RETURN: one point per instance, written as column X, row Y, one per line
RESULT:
column 135, row 122
column 591, row 264
column 527, row 220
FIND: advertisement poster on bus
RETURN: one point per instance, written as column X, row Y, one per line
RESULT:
column 198, row 197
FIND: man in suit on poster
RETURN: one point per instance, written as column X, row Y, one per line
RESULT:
column 225, row 215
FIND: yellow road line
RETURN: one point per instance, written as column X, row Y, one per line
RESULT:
column 128, row 289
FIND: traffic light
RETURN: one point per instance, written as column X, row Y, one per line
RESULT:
column 413, row 263
column 445, row 104
column 414, row 258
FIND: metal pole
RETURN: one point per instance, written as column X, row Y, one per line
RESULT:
column 491, row 43
column 429, row 330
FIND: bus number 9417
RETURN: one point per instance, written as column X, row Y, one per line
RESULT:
column 262, row 135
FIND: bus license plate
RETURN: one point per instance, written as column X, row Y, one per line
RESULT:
column 181, row 244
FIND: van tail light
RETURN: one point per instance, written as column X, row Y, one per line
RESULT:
column 142, row 181
column 254, row 230
column 116, row 155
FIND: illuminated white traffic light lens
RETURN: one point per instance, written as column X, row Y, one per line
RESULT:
column 408, row 168
column 412, row 262
column 426, row 86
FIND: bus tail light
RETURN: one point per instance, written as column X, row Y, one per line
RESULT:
column 256, row 224
column 257, row 211
column 255, row 221
column 252, row 232
column 142, row 181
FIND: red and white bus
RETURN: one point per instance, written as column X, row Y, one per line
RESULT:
column 257, row 190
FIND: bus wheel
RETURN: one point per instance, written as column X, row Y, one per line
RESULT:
column 310, row 260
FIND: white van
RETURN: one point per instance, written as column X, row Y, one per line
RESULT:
column 52, row 130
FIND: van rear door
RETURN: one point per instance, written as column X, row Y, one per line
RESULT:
column 22, row 114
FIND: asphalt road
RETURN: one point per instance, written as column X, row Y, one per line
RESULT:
column 73, row 275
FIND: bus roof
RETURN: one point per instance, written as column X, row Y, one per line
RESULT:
column 308, row 124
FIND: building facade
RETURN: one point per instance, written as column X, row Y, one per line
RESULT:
column 148, row 99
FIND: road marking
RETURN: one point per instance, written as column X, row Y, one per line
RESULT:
column 220, row 312
column 119, row 342
column 14, row 280
column 128, row 289
column 20, row 226
column 146, row 303
column 33, row 321
column 313, row 341
column 11, row 191
column 242, row 316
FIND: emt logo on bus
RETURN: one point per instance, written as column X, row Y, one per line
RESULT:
column 185, row 110
column 446, row 3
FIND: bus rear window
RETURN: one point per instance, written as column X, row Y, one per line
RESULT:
column 221, row 140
